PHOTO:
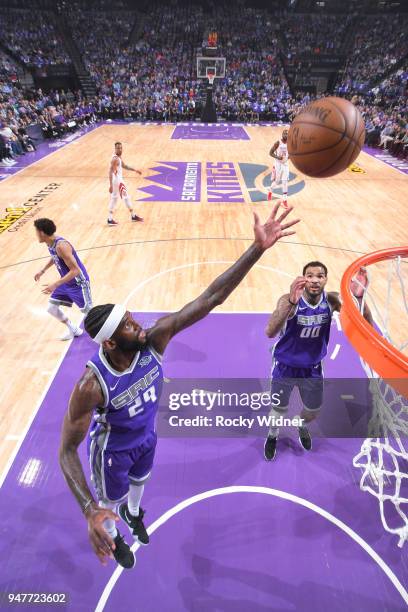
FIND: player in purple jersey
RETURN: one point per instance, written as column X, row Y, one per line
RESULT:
column 120, row 390
column 303, row 318
column 73, row 287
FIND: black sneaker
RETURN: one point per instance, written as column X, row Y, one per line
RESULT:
column 136, row 218
column 270, row 448
column 305, row 438
column 135, row 524
column 122, row 553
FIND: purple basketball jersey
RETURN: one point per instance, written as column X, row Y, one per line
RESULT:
column 131, row 400
column 62, row 266
column 304, row 339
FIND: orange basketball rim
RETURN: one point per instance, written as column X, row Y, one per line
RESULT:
column 387, row 361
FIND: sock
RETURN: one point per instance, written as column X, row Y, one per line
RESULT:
column 109, row 524
column 273, row 429
column 134, row 497
column 55, row 311
column 285, row 190
column 128, row 203
column 272, row 185
column 304, row 424
column 112, row 206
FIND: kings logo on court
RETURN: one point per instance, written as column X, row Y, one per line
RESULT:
column 224, row 182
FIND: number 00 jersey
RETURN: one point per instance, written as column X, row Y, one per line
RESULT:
column 304, row 339
column 131, row 400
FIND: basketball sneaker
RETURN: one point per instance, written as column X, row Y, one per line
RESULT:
column 270, row 196
column 136, row 218
column 305, row 438
column 112, row 222
column 122, row 553
column 135, row 524
column 270, row 448
column 285, row 204
column 72, row 334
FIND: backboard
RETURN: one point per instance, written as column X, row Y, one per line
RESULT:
column 212, row 64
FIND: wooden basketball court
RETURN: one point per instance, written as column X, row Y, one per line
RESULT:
column 181, row 246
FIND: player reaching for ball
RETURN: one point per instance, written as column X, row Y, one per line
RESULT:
column 119, row 393
column 303, row 318
column 117, row 187
column 280, row 171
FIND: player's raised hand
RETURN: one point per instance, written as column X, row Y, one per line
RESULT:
column 296, row 289
column 266, row 235
column 101, row 541
column 359, row 283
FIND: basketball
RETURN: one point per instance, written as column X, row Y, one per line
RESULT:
column 326, row 137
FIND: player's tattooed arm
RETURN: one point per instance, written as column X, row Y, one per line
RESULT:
column 86, row 395
column 126, row 167
column 265, row 237
column 334, row 299
column 284, row 309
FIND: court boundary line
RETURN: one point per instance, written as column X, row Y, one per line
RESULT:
column 57, row 150
column 26, row 429
column 266, row 491
column 383, row 161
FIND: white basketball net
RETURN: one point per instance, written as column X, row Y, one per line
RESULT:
column 384, row 460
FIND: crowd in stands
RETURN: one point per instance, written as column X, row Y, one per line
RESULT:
column 32, row 37
column 153, row 79
column 144, row 68
column 254, row 86
column 56, row 113
column 314, row 34
column 380, row 42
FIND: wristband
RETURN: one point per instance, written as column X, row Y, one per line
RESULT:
column 88, row 503
column 292, row 303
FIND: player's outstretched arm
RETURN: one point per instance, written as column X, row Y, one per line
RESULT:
column 126, row 167
column 86, row 395
column 265, row 237
column 357, row 288
column 285, row 307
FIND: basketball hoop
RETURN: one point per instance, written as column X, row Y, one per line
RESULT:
column 381, row 352
column 383, row 460
column 211, row 77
